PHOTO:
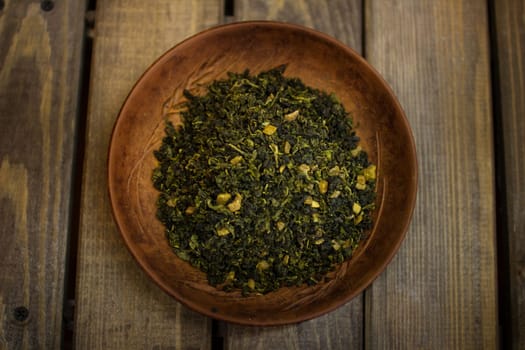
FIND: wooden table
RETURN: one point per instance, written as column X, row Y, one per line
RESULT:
column 66, row 278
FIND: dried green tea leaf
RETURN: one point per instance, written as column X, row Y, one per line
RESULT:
column 265, row 184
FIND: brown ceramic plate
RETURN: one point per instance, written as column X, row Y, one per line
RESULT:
column 320, row 61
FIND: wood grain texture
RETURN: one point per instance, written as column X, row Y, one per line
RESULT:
column 342, row 328
column 39, row 77
column 510, row 42
column 338, row 18
column 440, row 290
column 118, row 307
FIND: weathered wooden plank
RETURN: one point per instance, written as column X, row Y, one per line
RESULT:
column 440, row 290
column 341, row 329
column 39, row 81
column 510, row 43
column 340, row 19
column 118, row 306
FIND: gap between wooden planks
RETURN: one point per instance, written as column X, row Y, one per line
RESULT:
column 508, row 40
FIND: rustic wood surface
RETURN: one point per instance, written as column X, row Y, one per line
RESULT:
column 40, row 55
column 118, row 306
column 440, row 290
column 341, row 19
column 510, row 45
column 338, row 18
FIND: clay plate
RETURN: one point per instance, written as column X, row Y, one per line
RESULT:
column 320, row 61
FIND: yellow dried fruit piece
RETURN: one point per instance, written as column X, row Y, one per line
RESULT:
column 361, row 182
column 287, row 147
column 335, row 194
column 356, row 208
column 360, row 186
column 251, row 283
column 269, row 129
column 355, row 152
column 231, row 276
column 319, row 241
column 286, row 258
column 370, row 172
column 236, row 160
column 223, row 232
column 262, row 265
column 323, row 186
column 334, row 171
column 303, row 169
column 190, row 210
column 223, row 198
column 280, row 225
column 308, row 200
column 291, row 116
column 236, row 204
column 315, row 204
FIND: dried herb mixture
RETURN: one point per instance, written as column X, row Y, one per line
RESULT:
column 265, row 184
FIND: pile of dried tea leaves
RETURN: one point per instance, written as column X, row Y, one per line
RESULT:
column 265, row 184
